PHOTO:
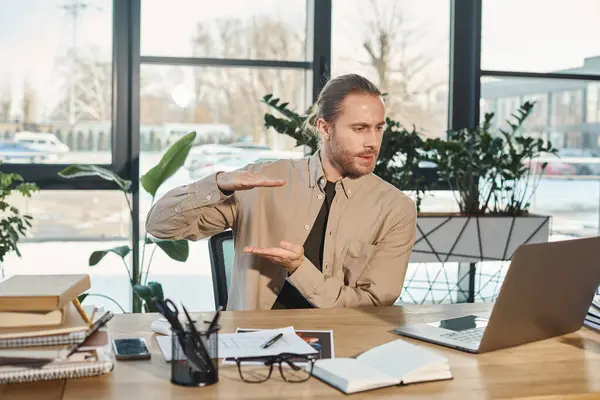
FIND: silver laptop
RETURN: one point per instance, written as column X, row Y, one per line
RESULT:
column 547, row 292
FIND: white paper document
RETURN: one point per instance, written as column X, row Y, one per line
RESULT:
column 250, row 344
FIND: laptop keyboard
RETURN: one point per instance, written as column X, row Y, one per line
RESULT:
column 467, row 336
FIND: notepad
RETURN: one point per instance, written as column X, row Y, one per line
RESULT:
column 29, row 319
column 394, row 363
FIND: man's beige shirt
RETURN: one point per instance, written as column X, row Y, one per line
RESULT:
column 370, row 233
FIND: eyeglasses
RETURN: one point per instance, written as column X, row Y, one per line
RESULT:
column 294, row 368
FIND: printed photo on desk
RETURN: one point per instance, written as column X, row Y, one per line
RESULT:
column 320, row 340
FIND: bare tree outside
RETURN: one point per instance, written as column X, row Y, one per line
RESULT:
column 90, row 97
column 400, row 53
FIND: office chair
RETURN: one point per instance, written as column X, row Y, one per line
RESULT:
column 221, row 251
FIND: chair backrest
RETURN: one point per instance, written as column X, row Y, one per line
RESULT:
column 222, row 252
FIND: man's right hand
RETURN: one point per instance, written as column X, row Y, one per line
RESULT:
column 244, row 180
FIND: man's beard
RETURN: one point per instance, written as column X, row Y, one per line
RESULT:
column 346, row 160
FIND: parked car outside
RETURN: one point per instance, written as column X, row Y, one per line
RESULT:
column 45, row 142
column 555, row 168
column 585, row 161
column 12, row 152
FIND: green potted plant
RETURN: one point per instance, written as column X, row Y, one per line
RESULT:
column 13, row 223
column 493, row 175
column 173, row 159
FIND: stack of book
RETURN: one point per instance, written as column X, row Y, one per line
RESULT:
column 592, row 319
column 45, row 333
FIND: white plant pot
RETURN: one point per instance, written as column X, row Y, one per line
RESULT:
column 462, row 238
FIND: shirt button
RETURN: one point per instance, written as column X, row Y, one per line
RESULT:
column 320, row 197
column 176, row 209
column 322, row 181
column 208, row 197
column 276, row 289
column 306, row 226
column 349, row 191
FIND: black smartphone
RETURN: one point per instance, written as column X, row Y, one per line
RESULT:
column 131, row 349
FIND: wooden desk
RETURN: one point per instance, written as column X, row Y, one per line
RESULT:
column 554, row 368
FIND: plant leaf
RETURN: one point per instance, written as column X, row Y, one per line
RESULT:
column 147, row 292
column 156, row 290
column 143, row 292
column 172, row 160
column 178, row 250
column 98, row 255
column 78, row 171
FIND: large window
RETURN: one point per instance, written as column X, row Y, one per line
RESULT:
column 403, row 47
column 522, row 65
column 68, row 85
column 56, row 107
column 56, row 81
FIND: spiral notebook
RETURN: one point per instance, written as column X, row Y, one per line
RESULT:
column 97, row 364
column 94, row 358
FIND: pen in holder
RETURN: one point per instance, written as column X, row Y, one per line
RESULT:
column 195, row 357
column 194, row 353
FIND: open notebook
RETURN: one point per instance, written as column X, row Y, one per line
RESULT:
column 394, row 363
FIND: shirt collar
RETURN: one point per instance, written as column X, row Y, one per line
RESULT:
column 317, row 176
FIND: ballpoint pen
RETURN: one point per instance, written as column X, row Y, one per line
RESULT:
column 214, row 321
column 270, row 342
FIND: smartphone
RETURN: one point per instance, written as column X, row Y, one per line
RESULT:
column 131, row 349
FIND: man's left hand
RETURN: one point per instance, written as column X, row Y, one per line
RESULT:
column 288, row 255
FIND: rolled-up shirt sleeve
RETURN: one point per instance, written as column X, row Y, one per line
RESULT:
column 192, row 212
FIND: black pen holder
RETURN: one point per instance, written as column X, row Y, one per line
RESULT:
column 192, row 365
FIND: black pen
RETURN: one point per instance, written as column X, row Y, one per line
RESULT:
column 95, row 327
column 214, row 321
column 270, row 342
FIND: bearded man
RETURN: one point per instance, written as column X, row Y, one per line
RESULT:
column 322, row 231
